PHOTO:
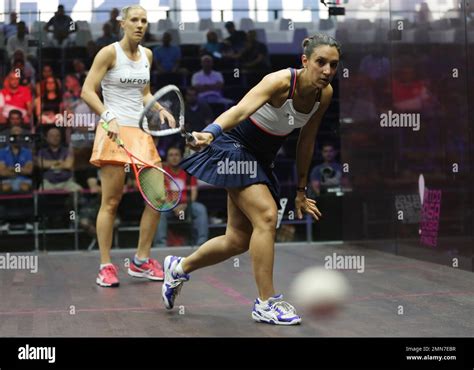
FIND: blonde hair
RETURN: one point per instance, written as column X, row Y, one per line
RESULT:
column 126, row 9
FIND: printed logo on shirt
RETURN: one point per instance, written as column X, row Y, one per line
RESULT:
column 134, row 81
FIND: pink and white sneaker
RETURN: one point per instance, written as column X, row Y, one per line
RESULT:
column 108, row 277
column 151, row 270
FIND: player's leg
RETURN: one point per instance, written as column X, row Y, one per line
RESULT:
column 142, row 266
column 218, row 249
column 235, row 241
column 148, row 223
column 112, row 180
column 258, row 205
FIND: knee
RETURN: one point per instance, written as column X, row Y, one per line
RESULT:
column 266, row 220
column 110, row 204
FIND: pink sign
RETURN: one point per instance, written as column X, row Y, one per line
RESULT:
column 430, row 212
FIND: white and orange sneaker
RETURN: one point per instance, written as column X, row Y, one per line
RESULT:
column 108, row 276
column 151, row 270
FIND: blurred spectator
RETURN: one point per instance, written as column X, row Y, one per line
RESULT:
column 410, row 92
column 62, row 26
column 423, row 16
column 15, row 96
column 114, row 22
column 326, row 175
column 167, row 57
column 148, row 37
column 47, row 71
column 212, row 47
column 236, row 39
column 19, row 41
column 79, row 70
column 15, row 119
column 92, row 50
column 209, row 83
column 81, row 135
column 27, row 72
column 72, row 93
column 198, row 210
column 10, row 29
column 107, row 37
column 198, row 113
column 254, row 55
column 57, row 161
column 16, row 163
column 48, row 105
column 89, row 204
column 375, row 66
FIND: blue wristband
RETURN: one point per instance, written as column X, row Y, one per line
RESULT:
column 214, row 129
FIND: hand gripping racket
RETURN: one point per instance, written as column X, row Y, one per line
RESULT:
column 170, row 98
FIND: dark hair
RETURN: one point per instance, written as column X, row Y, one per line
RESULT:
column 318, row 39
column 328, row 143
column 174, row 147
column 15, row 111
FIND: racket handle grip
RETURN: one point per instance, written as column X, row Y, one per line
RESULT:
column 118, row 140
column 189, row 138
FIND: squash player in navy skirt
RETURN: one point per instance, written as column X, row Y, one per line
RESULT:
column 249, row 134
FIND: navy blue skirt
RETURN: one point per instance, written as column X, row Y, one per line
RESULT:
column 229, row 163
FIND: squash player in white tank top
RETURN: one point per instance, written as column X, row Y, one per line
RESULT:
column 280, row 102
column 123, row 71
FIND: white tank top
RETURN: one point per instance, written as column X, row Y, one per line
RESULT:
column 123, row 85
column 281, row 121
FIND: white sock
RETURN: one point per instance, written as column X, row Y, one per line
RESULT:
column 102, row 265
column 179, row 268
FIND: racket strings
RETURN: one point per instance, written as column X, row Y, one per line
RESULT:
column 172, row 104
column 158, row 188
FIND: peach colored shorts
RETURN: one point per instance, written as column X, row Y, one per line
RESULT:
column 137, row 142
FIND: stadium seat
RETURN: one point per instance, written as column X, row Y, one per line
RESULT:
column 284, row 24
column 83, row 37
column 246, row 24
column 164, row 24
column 261, row 35
column 205, row 24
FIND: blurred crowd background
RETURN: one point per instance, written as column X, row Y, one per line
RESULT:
column 401, row 56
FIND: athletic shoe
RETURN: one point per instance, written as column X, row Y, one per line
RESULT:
column 151, row 270
column 108, row 277
column 275, row 311
column 173, row 281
